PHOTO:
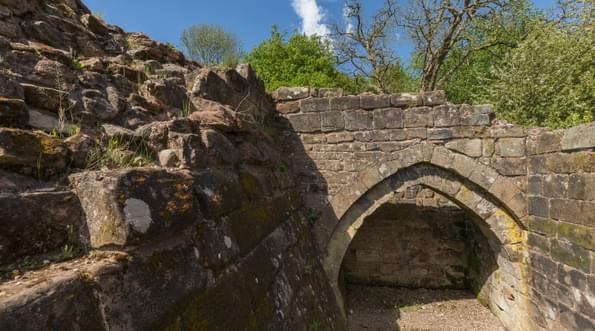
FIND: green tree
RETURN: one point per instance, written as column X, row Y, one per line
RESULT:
column 211, row 45
column 550, row 78
column 299, row 60
column 465, row 83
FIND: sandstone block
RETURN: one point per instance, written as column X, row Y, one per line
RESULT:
column 470, row 147
column 36, row 223
column 374, row 101
column 510, row 166
column 32, row 149
column 432, row 98
column 581, row 186
column 406, row 100
column 313, row 105
column 418, row 117
column 543, row 142
column 388, row 118
column 13, row 113
column 577, row 234
column 440, row 134
column 544, row 226
column 582, row 136
column 325, row 92
column 305, row 122
column 358, row 120
column 128, row 207
column 573, row 211
column 333, row 121
column 571, row 255
column 510, row 147
column 538, row 206
column 345, row 103
column 288, row 107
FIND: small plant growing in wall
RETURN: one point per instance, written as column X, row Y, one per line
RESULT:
column 312, row 215
column 119, row 153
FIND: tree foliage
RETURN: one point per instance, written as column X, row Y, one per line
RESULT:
column 211, row 45
column 549, row 80
column 298, row 60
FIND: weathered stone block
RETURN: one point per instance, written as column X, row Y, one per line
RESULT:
column 573, row 211
column 581, row 186
column 543, row 226
column 406, row 134
column 291, row 93
column 510, row 166
column 432, row 98
column 305, row 122
column 326, row 92
column 540, row 142
column 508, row 131
column 445, row 116
column 555, row 186
column 571, row 254
column 32, row 149
column 538, row 206
column 510, row 147
column 289, row 107
column 440, row 134
column 35, row 223
column 577, row 234
column 470, row 147
column 418, row 117
column 13, row 113
column 127, row 207
column 218, row 192
column 333, row 121
column 582, row 136
column 345, row 103
column 374, row 101
column 388, row 118
column 406, row 100
column 313, row 105
column 359, row 120
column 540, row 242
column 488, row 147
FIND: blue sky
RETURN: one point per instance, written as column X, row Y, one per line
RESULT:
column 250, row 20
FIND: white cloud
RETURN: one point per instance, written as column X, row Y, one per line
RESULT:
column 348, row 23
column 312, row 16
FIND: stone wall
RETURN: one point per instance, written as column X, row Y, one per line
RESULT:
column 426, row 242
column 530, row 189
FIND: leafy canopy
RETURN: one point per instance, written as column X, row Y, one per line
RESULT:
column 211, row 45
column 298, row 60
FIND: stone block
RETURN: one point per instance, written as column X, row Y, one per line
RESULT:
column 340, row 137
column 288, row 107
column 356, row 120
column 440, row 134
column 305, row 122
column 291, row 93
column 470, row 147
column 326, row 92
column 374, row 101
column 510, row 166
column 579, row 137
column 555, row 186
column 36, row 223
column 539, row 242
column 418, row 117
column 508, row 131
column 406, row 134
column 35, row 150
column 541, row 142
column 345, row 103
column 573, row 211
column 488, row 147
column 406, row 100
column 432, row 98
column 445, row 116
column 535, row 185
column 314, row 105
column 333, row 121
column 581, row 186
column 543, row 226
column 388, row 118
column 128, row 207
column 218, row 192
column 577, row 234
column 570, row 254
column 538, row 206
column 510, row 147
column 13, row 113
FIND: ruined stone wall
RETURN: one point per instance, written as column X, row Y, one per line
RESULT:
column 561, row 188
column 140, row 191
column 530, row 189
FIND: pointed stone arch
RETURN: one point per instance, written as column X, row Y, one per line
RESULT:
column 493, row 199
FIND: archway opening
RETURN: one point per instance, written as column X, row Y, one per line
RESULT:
column 419, row 262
